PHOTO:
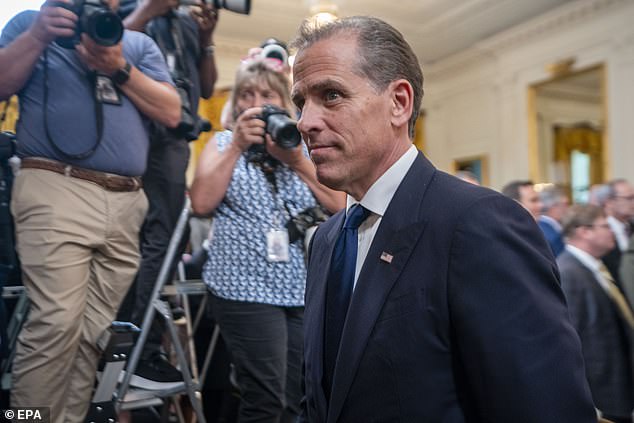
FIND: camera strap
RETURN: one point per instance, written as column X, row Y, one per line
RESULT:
column 98, row 117
column 269, row 174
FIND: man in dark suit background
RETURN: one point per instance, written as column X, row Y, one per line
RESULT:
column 524, row 193
column 599, row 311
column 619, row 208
column 456, row 313
column 555, row 203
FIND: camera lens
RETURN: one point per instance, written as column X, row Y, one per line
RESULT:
column 238, row 6
column 102, row 25
column 283, row 130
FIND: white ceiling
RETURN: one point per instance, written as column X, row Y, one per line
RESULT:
column 435, row 28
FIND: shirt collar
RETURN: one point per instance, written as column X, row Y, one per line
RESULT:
column 586, row 259
column 382, row 190
column 615, row 224
column 552, row 222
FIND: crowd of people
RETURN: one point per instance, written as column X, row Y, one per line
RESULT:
column 593, row 244
column 422, row 298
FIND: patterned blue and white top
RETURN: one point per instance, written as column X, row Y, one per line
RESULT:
column 237, row 268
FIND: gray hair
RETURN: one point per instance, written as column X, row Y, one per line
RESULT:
column 384, row 55
column 551, row 196
column 600, row 194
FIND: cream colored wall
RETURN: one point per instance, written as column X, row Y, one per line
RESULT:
column 477, row 101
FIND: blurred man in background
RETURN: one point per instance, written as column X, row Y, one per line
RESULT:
column 619, row 208
column 554, row 206
column 524, row 193
column 602, row 317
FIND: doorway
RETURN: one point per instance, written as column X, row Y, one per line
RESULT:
column 567, row 121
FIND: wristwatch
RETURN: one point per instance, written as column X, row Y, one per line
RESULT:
column 122, row 75
column 208, row 51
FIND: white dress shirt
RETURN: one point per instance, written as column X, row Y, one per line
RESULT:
column 620, row 234
column 376, row 201
column 592, row 263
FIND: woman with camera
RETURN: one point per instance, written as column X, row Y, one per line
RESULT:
column 256, row 185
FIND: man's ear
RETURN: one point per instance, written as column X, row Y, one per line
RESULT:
column 402, row 96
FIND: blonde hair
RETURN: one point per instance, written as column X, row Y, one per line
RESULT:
column 257, row 72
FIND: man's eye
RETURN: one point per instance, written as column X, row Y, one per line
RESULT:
column 299, row 104
column 332, row 96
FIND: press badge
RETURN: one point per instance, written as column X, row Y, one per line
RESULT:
column 106, row 92
column 277, row 245
column 170, row 61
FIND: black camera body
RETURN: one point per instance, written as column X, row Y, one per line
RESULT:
column 298, row 225
column 8, row 258
column 7, row 145
column 281, row 128
column 191, row 124
column 96, row 19
column 283, row 131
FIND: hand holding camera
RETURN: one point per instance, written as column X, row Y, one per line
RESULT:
column 206, row 18
column 103, row 59
column 53, row 21
column 95, row 18
column 249, row 129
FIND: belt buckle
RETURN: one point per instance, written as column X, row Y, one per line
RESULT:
column 67, row 170
column 107, row 182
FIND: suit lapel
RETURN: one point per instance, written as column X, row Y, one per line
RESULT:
column 398, row 233
column 315, row 309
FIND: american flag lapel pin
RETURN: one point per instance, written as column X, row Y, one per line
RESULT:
column 386, row 257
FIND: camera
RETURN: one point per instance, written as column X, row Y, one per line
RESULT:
column 274, row 49
column 7, row 145
column 281, row 128
column 190, row 125
column 283, row 131
column 242, row 7
column 298, row 225
column 95, row 19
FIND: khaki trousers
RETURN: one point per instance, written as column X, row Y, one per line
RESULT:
column 78, row 246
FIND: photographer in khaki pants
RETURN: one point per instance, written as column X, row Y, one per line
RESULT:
column 186, row 41
column 77, row 201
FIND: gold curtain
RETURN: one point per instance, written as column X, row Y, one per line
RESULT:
column 585, row 139
column 12, row 114
column 211, row 110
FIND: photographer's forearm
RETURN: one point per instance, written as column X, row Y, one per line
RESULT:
column 17, row 61
column 158, row 101
column 213, row 176
column 208, row 75
column 330, row 199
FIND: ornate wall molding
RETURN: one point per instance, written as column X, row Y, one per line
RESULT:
column 566, row 16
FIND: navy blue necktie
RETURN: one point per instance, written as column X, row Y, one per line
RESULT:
column 339, row 289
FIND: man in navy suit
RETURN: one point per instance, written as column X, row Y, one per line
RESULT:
column 456, row 313
column 554, row 206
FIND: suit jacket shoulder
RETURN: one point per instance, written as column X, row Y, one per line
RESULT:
column 468, row 305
